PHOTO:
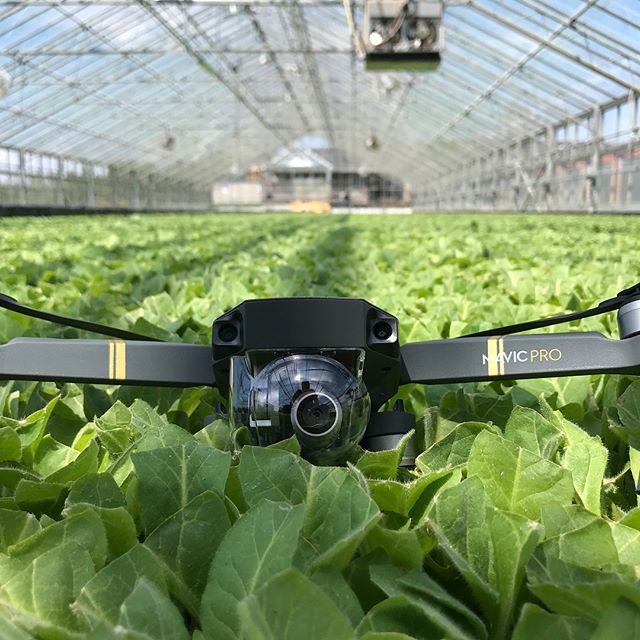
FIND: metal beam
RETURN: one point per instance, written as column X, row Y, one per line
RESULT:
column 262, row 36
column 547, row 41
column 153, row 51
column 208, row 68
column 496, row 84
column 304, row 39
column 203, row 3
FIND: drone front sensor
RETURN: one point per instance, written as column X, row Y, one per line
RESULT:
column 320, row 369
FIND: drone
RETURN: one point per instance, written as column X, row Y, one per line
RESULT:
column 321, row 369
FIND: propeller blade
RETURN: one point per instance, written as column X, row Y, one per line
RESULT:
column 7, row 302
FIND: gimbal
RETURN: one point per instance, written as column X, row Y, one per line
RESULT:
column 321, row 368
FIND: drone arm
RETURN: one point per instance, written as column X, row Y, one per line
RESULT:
column 124, row 362
column 517, row 356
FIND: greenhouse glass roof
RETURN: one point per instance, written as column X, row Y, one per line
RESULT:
column 198, row 89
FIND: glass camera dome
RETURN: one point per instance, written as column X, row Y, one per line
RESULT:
column 313, row 397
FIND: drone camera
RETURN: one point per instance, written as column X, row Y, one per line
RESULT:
column 316, row 414
column 315, row 398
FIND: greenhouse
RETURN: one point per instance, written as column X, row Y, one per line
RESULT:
column 319, row 319
column 144, row 105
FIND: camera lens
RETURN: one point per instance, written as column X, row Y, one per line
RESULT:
column 228, row 333
column 382, row 330
column 309, row 396
column 316, row 413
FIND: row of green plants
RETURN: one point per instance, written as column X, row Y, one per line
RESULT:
column 123, row 516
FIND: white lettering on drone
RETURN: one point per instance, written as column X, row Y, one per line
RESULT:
column 117, row 360
column 496, row 357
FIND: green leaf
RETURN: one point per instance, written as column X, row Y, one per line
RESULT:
column 170, row 478
column 96, row 402
column 402, row 547
column 569, row 390
column 452, row 450
column 40, row 497
column 383, row 465
column 587, row 462
column 233, row 490
column 411, row 618
column 217, row 435
column 634, row 461
column 68, row 416
column 273, row 474
column 10, row 445
column 490, row 547
column 16, row 526
column 187, row 541
column 166, row 623
column 530, row 430
column 143, row 326
column 11, row 473
column 476, row 407
column 115, row 429
column 291, row 444
column 572, row 590
column 535, row 623
column 572, row 432
column 31, row 429
column 119, row 527
column 268, row 615
column 9, row 329
column 139, row 429
column 446, row 615
column 338, row 515
column 514, row 539
column 620, row 621
column 335, row 586
column 459, row 522
column 39, row 593
column 101, row 598
column 258, row 546
column 402, row 497
column 85, row 529
column 628, row 407
column 99, row 489
column 385, row 635
column 9, row 631
column 577, row 536
column 631, row 519
column 516, row 479
column 58, row 463
column 155, row 429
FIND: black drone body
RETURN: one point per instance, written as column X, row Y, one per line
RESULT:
column 321, row 368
